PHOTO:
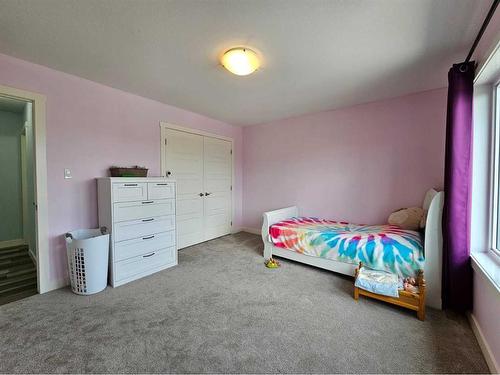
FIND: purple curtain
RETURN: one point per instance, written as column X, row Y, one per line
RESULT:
column 457, row 272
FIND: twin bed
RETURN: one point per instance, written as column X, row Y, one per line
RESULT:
column 340, row 246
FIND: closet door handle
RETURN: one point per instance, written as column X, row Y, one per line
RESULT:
column 148, row 219
column 148, row 237
column 207, row 194
column 147, row 202
column 201, row 194
column 149, row 255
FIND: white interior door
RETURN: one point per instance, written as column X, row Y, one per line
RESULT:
column 217, row 162
column 184, row 161
column 202, row 166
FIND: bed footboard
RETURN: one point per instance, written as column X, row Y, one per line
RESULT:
column 273, row 217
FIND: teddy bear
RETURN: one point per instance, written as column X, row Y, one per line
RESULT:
column 412, row 218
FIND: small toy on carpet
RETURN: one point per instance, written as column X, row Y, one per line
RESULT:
column 272, row 263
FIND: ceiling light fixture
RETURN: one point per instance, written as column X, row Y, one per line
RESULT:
column 240, row 61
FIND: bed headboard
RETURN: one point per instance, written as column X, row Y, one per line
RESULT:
column 433, row 245
column 429, row 196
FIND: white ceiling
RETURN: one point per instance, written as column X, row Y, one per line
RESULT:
column 316, row 54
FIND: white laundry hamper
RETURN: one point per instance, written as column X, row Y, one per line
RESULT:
column 88, row 251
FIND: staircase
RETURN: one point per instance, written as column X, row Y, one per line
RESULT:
column 17, row 274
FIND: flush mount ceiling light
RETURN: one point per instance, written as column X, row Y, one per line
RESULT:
column 240, row 61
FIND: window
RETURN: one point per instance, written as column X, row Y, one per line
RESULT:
column 485, row 198
column 495, row 174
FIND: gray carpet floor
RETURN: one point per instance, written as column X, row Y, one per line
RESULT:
column 221, row 310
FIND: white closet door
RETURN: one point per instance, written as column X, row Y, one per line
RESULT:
column 217, row 184
column 184, row 159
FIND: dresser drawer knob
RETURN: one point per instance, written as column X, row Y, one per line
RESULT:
column 149, row 255
column 129, row 184
column 151, row 219
column 148, row 237
column 148, row 202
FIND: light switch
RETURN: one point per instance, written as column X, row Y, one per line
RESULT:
column 67, row 173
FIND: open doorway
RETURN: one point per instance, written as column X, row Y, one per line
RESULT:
column 18, row 271
column 40, row 244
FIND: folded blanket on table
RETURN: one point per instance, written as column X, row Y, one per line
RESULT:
column 379, row 282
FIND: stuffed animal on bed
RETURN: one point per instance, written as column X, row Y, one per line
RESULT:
column 412, row 218
column 410, row 284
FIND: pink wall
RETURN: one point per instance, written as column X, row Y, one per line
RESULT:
column 486, row 310
column 91, row 127
column 489, row 39
column 356, row 164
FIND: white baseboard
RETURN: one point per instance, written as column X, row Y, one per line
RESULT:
column 55, row 284
column 10, row 243
column 250, row 230
column 483, row 344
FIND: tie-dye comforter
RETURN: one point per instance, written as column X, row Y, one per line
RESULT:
column 381, row 247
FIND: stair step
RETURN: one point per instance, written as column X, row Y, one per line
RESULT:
column 18, row 286
column 18, row 278
column 22, row 246
column 17, row 296
column 16, row 271
column 13, row 249
column 14, row 262
column 14, row 254
column 14, row 258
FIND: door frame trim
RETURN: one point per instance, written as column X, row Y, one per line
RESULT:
column 166, row 125
column 44, row 282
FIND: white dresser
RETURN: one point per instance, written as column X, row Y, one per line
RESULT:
column 140, row 216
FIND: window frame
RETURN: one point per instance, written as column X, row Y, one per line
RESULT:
column 495, row 171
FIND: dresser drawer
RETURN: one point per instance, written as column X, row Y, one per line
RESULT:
column 138, row 246
column 133, row 191
column 124, row 211
column 161, row 190
column 143, row 263
column 127, row 230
